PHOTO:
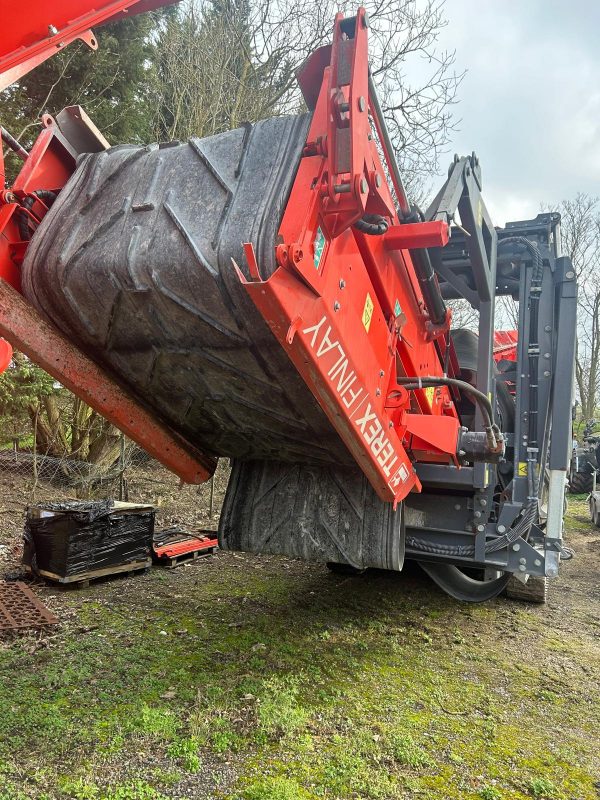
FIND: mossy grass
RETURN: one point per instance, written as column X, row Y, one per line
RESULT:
column 266, row 679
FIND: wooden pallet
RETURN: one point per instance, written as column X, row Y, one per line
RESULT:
column 83, row 579
column 170, row 562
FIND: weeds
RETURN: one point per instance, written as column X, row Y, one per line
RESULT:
column 185, row 751
column 490, row 793
column 541, row 788
column 279, row 712
column 156, row 722
column 80, row 789
column 405, row 751
column 275, row 789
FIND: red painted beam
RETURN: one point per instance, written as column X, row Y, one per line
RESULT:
column 28, row 332
column 31, row 33
column 417, row 234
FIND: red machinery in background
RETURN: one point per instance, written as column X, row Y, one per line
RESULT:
column 505, row 345
column 449, row 466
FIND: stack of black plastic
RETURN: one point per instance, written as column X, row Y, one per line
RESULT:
column 71, row 539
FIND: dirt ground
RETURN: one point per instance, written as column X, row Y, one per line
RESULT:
column 258, row 678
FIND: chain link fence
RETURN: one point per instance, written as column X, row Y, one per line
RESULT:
column 29, row 475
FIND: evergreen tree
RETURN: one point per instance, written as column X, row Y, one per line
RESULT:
column 112, row 84
column 22, row 388
column 33, row 403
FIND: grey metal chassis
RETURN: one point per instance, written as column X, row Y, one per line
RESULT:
column 458, row 507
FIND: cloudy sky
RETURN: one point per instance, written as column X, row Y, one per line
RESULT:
column 530, row 101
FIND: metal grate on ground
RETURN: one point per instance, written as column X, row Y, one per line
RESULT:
column 20, row 608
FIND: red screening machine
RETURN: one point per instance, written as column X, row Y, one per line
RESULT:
column 271, row 295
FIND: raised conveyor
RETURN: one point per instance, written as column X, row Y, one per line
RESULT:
column 134, row 263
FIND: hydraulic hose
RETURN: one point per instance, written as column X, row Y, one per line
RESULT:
column 429, row 286
column 372, row 225
column 494, row 436
column 528, row 516
column 46, row 196
column 434, row 302
column 14, row 145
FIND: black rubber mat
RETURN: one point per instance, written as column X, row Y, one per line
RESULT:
column 134, row 263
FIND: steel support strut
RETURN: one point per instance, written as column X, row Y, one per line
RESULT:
column 28, row 332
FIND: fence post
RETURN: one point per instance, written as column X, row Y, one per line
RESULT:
column 212, row 496
column 35, row 464
column 122, row 467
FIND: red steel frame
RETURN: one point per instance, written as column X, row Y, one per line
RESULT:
column 39, row 340
column 33, row 32
column 347, row 307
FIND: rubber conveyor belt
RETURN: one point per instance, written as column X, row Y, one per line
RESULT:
column 134, row 263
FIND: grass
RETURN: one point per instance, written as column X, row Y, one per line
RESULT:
column 280, row 712
column 490, row 793
column 404, row 751
column 542, row 788
column 24, row 443
column 258, row 679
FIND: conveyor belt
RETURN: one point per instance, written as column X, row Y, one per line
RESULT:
column 134, row 263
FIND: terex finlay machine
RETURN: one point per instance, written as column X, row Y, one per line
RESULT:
column 270, row 295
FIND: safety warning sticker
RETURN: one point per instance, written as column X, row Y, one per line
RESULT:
column 319, row 247
column 367, row 314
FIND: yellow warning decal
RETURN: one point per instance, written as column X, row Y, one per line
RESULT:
column 367, row 314
column 522, row 472
column 430, row 394
column 486, row 475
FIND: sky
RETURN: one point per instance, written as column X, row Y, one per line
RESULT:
column 530, row 101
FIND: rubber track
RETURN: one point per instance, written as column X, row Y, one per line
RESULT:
column 134, row 263
column 314, row 513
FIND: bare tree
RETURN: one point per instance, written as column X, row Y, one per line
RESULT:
column 580, row 230
column 223, row 62
column 463, row 314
